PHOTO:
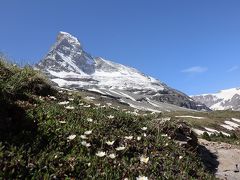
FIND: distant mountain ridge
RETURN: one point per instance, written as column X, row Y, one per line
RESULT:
column 223, row 100
column 69, row 66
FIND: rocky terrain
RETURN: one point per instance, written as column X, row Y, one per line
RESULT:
column 226, row 158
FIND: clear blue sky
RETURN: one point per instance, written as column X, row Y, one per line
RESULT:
column 192, row 45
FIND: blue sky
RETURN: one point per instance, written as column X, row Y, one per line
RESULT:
column 192, row 45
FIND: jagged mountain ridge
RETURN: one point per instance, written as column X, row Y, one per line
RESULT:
column 69, row 56
column 69, row 66
column 223, row 100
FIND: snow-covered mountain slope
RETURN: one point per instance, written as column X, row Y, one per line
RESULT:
column 69, row 66
column 225, row 99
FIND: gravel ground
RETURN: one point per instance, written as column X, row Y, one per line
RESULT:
column 228, row 157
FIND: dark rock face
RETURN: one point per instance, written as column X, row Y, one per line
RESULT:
column 67, row 55
column 208, row 100
column 177, row 98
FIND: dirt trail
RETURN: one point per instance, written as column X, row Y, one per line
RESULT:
column 228, row 157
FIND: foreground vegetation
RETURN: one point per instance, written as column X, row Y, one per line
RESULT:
column 50, row 134
column 232, row 139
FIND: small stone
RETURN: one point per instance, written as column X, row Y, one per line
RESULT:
column 237, row 169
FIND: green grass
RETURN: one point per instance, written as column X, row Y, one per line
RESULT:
column 211, row 120
column 35, row 144
column 232, row 139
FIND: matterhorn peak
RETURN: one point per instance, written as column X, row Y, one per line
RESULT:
column 67, row 38
column 67, row 55
column 69, row 66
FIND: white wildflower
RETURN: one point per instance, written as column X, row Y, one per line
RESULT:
column 142, row 178
column 89, row 164
column 83, row 137
column 144, row 134
column 128, row 137
column 88, row 132
column 71, row 137
column 180, row 157
column 52, row 97
column 110, row 117
column 110, row 143
column 112, row 156
column 69, row 107
column 100, row 154
column 166, row 144
column 121, row 148
column 41, row 98
column 84, row 143
column 89, row 119
column 144, row 159
column 62, row 122
column 63, row 103
column 139, row 138
column 135, row 113
column 144, row 128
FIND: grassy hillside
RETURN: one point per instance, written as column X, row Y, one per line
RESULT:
column 213, row 120
column 50, row 134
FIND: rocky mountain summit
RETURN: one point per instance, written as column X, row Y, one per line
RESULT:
column 223, row 100
column 69, row 66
